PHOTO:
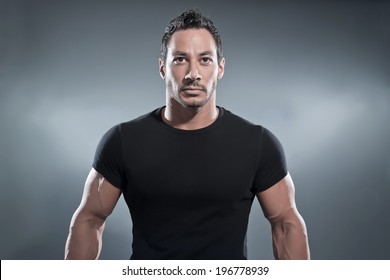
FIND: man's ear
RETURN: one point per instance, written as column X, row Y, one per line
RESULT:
column 161, row 68
column 221, row 68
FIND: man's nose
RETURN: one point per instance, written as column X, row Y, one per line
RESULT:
column 193, row 73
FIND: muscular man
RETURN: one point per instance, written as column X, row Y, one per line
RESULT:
column 190, row 170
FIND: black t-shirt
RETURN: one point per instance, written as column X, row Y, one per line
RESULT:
column 189, row 192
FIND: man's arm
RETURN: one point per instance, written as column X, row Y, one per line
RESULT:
column 289, row 233
column 87, row 224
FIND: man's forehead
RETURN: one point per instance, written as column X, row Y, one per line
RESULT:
column 199, row 38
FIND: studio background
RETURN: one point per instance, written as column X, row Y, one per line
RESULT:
column 316, row 73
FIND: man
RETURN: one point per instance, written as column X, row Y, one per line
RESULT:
column 189, row 171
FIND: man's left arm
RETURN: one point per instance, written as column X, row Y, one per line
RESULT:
column 289, row 234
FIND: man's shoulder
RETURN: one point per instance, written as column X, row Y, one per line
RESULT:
column 150, row 116
column 234, row 119
column 140, row 121
column 245, row 125
column 134, row 125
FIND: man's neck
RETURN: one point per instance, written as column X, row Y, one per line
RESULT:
column 189, row 118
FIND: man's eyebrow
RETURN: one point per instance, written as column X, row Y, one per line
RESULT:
column 182, row 53
column 179, row 53
column 206, row 53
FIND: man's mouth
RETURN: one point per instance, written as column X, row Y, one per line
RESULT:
column 193, row 88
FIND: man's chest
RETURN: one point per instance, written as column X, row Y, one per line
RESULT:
column 190, row 168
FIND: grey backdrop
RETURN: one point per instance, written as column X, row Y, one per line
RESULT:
column 316, row 73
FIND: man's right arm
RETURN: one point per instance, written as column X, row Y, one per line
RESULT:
column 87, row 224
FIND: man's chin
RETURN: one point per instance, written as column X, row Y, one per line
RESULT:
column 193, row 105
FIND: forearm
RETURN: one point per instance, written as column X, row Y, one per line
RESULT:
column 85, row 239
column 290, row 241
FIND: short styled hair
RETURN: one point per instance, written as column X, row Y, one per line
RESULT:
column 192, row 18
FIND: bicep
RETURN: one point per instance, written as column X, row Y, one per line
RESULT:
column 99, row 196
column 278, row 200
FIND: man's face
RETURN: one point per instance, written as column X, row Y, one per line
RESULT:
column 191, row 69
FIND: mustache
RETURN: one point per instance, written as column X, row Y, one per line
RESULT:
column 193, row 85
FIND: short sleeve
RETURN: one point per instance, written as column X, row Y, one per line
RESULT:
column 272, row 165
column 108, row 157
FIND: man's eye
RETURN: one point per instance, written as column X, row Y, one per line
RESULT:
column 206, row 60
column 179, row 60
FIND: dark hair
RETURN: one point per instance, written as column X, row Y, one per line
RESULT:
column 190, row 19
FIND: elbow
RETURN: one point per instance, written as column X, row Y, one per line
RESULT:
column 88, row 219
column 290, row 238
